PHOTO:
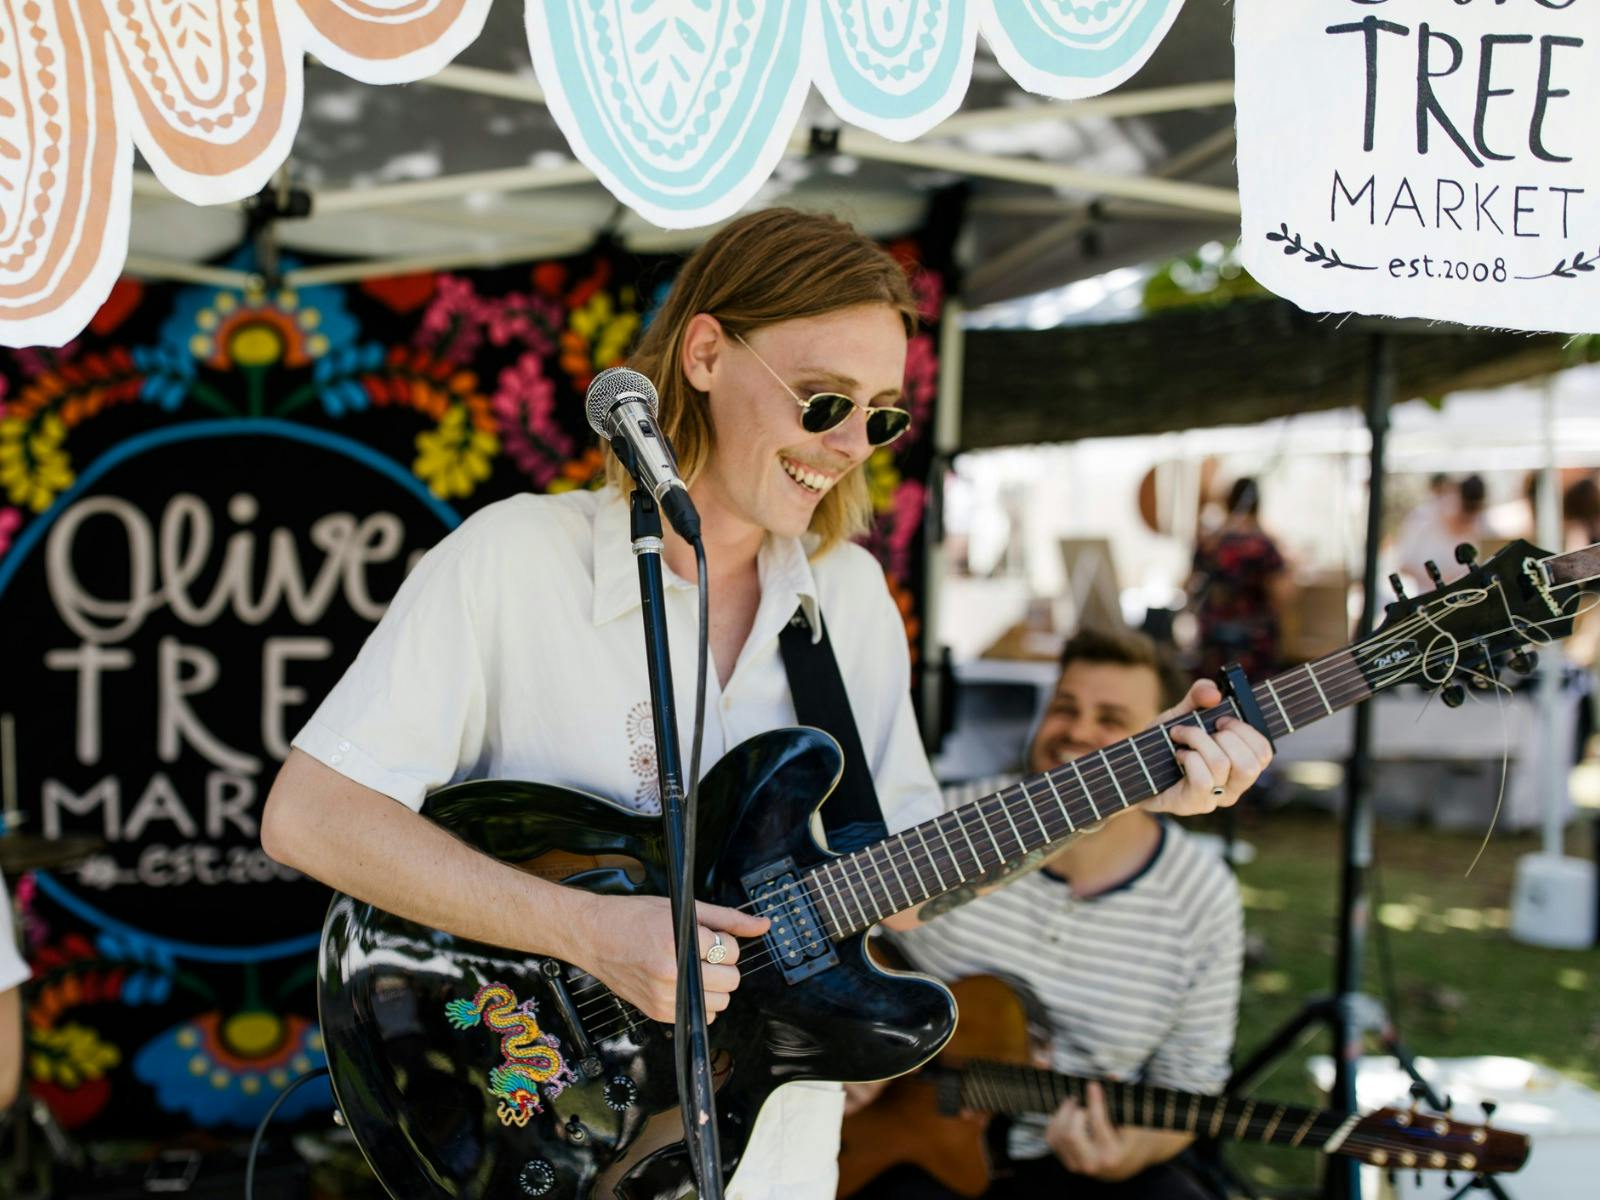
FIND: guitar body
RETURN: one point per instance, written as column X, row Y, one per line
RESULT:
column 907, row 1123
column 467, row 1070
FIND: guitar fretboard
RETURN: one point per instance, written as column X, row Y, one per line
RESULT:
column 968, row 844
column 1019, row 1090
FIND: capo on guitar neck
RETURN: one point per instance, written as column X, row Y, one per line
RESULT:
column 1237, row 688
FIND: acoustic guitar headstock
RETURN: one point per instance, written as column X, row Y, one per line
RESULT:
column 1402, row 1138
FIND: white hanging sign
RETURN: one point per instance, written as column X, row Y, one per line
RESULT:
column 1423, row 158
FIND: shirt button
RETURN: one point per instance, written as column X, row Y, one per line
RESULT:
column 344, row 745
column 335, row 757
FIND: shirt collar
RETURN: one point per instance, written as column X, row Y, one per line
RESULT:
column 783, row 566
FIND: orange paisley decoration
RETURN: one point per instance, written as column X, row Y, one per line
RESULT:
column 208, row 90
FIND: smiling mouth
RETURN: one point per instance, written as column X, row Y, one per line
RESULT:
column 814, row 482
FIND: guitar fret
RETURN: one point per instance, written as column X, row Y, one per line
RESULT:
column 1005, row 807
column 1149, row 1106
column 1172, row 1100
column 911, row 861
column 1060, row 803
column 954, row 862
column 961, row 824
column 1194, row 1112
column 822, row 894
column 928, row 854
column 1244, row 1120
column 1317, row 683
column 888, row 897
column 849, row 883
column 1150, row 779
column 1032, row 807
column 1087, row 794
column 1121, row 795
column 1282, row 711
column 895, row 867
column 1216, row 1116
column 983, row 819
column 1303, row 1130
column 1272, row 1125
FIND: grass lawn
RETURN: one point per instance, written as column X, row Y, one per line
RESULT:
column 1463, row 986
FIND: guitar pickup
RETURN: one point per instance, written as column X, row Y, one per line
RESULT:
column 796, row 939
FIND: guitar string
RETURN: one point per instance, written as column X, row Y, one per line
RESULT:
column 1004, row 1081
column 1452, row 651
column 1001, row 802
column 757, row 963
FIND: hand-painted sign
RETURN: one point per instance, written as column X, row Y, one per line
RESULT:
column 1418, row 158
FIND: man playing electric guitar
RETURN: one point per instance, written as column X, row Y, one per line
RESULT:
column 514, row 650
column 1130, row 939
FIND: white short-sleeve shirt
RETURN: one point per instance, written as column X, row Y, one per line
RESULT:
column 13, row 970
column 515, row 650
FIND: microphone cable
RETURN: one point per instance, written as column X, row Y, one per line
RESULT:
column 261, row 1129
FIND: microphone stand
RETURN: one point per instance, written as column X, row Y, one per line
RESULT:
column 692, row 1045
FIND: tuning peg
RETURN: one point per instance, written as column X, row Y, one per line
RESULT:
column 1433, row 573
column 1399, row 588
column 1466, row 554
column 1524, row 662
column 1453, row 695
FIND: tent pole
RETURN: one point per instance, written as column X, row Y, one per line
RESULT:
column 946, row 441
column 1343, row 1175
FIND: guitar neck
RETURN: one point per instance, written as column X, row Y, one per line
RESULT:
column 1020, row 1090
column 972, row 842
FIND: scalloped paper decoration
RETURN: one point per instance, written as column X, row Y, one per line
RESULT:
column 683, row 108
column 210, row 94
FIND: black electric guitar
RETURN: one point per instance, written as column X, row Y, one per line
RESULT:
column 471, row 1071
column 937, row 1118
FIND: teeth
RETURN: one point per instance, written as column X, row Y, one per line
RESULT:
column 810, row 479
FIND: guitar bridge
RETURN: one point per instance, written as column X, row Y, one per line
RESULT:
column 795, row 940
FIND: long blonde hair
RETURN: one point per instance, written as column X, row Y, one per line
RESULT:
column 771, row 266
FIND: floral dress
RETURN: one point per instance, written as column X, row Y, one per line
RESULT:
column 1234, row 608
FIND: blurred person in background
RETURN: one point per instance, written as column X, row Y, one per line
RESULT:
column 1239, row 590
column 1433, row 530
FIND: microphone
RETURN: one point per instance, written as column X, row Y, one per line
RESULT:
column 622, row 406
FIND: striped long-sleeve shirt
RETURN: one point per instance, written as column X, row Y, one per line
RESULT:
column 1140, row 983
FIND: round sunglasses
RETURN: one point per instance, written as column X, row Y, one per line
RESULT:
column 826, row 410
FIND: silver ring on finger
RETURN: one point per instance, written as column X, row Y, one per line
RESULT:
column 718, row 951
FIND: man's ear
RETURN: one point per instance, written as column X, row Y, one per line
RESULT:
column 702, row 350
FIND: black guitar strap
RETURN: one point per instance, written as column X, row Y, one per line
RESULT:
column 851, row 816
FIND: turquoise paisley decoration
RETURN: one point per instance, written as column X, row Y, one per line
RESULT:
column 682, row 108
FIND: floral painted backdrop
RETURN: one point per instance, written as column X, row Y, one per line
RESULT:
column 205, row 502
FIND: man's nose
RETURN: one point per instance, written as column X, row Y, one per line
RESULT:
column 850, row 436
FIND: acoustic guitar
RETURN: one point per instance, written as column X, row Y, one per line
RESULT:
column 938, row 1119
column 470, row 1071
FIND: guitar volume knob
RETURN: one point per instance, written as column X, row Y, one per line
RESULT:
column 538, row 1176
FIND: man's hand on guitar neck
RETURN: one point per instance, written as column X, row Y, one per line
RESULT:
column 1231, row 759
column 627, row 944
column 1087, row 1143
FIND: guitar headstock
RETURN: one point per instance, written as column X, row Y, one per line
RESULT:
column 1396, row 1137
column 1466, row 627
